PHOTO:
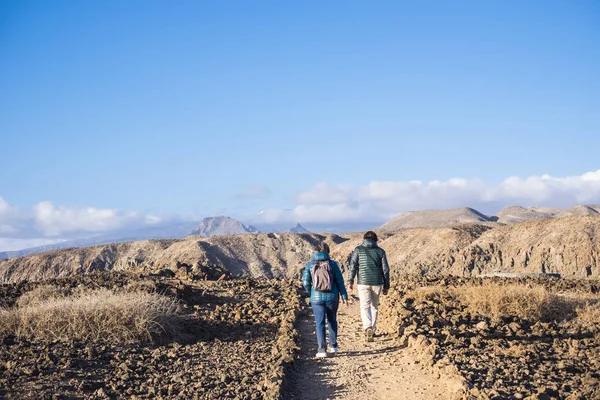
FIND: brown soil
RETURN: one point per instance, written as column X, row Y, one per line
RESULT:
column 378, row 370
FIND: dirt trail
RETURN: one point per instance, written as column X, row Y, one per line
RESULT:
column 377, row 370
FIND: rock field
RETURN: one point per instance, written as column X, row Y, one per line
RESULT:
column 238, row 340
column 510, row 358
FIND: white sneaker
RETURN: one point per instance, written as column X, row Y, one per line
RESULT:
column 333, row 350
column 321, row 354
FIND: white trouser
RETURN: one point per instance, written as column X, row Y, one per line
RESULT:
column 369, row 304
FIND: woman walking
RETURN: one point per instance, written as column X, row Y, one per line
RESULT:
column 324, row 281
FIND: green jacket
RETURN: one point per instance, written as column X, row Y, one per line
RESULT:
column 370, row 263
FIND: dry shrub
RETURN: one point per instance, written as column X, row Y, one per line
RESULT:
column 41, row 294
column 589, row 314
column 145, row 285
column 8, row 322
column 101, row 315
column 430, row 293
column 512, row 300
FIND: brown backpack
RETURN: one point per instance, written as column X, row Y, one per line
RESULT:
column 322, row 280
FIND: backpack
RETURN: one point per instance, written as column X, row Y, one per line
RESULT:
column 322, row 279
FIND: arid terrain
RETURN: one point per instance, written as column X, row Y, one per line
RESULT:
column 225, row 317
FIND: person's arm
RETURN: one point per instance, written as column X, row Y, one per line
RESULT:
column 386, row 272
column 352, row 268
column 307, row 277
column 339, row 281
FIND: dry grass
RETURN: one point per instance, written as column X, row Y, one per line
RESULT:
column 589, row 314
column 41, row 294
column 498, row 301
column 97, row 315
column 8, row 322
column 528, row 302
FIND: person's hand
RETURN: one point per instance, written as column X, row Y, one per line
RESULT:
column 350, row 287
column 345, row 302
column 385, row 291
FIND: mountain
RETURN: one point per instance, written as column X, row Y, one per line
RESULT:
column 566, row 246
column 263, row 255
column 582, row 209
column 298, row 229
column 218, row 226
column 435, row 218
column 516, row 214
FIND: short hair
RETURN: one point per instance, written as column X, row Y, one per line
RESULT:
column 370, row 235
column 323, row 247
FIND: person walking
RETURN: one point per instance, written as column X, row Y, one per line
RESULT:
column 324, row 281
column 369, row 263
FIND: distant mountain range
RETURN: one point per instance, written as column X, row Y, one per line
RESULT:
column 222, row 225
column 506, row 216
column 565, row 246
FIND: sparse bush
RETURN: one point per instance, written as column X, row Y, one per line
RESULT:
column 430, row 293
column 41, row 294
column 145, row 285
column 589, row 314
column 498, row 301
column 8, row 322
column 101, row 315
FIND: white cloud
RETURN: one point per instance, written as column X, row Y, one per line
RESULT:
column 56, row 220
column 323, row 193
column 45, row 222
column 381, row 200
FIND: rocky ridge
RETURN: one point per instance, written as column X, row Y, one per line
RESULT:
column 435, row 218
column 265, row 255
column 567, row 246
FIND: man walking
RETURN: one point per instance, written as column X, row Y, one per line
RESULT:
column 369, row 263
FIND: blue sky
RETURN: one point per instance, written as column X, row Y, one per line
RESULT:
column 155, row 109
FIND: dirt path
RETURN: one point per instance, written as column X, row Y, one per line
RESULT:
column 377, row 370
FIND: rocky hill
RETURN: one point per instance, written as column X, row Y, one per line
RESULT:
column 582, row 209
column 218, row 226
column 435, row 218
column 271, row 255
column 516, row 214
column 568, row 246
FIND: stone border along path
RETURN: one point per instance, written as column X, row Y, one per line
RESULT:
column 378, row 370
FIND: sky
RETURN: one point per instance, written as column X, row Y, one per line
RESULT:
column 134, row 113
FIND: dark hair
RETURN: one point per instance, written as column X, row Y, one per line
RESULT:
column 323, row 247
column 370, row 235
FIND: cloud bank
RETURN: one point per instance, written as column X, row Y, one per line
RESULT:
column 382, row 200
column 325, row 203
column 45, row 223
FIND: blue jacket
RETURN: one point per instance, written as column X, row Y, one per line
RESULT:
column 338, row 281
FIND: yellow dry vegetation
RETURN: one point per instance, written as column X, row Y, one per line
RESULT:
column 528, row 302
column 94, row 315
